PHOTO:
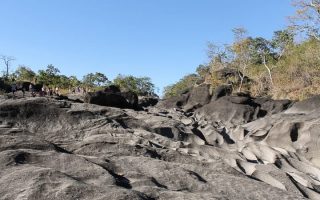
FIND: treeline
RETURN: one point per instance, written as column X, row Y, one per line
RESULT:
column 51, row 78
column 285, row 66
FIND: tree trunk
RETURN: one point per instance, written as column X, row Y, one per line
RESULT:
column 268, row 69
column 241, row 81
column 7, row 70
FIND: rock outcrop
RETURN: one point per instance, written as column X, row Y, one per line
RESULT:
column 233, row 147
column 198, row 97
column 189, row 101
column 147, row 101
column 113, row 99
column 221, row 91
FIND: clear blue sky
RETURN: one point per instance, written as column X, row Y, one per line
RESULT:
column 162, row 39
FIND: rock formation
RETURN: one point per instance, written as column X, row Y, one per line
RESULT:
column 233, row 147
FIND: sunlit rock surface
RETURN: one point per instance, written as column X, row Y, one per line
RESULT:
column 230, row 148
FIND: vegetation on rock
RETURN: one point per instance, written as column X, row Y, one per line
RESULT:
column 280, row 67
column 51, row 77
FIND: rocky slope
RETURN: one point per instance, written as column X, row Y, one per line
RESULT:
column 229, row 147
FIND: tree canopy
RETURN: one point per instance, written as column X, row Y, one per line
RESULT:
column 139, row 85
column 51, row 77
column 24, row 73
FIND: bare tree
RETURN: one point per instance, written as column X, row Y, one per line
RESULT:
column 264, row 61
column 307, row 17
column 7, row 61
column 241, row 50
column 262, row 48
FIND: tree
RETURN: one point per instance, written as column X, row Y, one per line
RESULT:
column 73, row 81
column 261, row 50
column 126, row 82
column 182, row 86
column 140, row 85
column 203, row 70
column 50, row 76
column 88, row 80
column 100, row 79
column 24, row 73
column 62, row 81
column 94, row 79
column 218, row 55
column 241, row 48
column 43, row 77
column 307, row 17
column 282, row 40
column 7, row 61
column 52, row 71
column 145, row 86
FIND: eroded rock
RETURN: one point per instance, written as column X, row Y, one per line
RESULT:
column 60, row 149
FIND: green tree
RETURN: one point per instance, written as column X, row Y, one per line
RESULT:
column 145, row 86
column 42, row 77
column 139, row 85
column 49, row 77
column 52, row 71
column 94, row 79
column 62, row 81
column 282, row 40
column 100, row 79
column 203, row 70
column 261, row 51
column 182, row 86
column 88, row 80
column 73, row 81
column 24, row 73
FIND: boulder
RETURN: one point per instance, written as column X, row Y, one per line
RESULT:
column 222, row 90
column 131, row 98
column 112, row 89
column 269, row 106
column 174, row 102
column 225, row 73
column 193, row 99
column 107, row 99
column 198, row 97
column 117, row 99
column 4, row 86
column 306, row 106
column 146, row 101
column 229, row 110
column 78, row 97
column 241, row 109
column 23, row 85
column 289, row 132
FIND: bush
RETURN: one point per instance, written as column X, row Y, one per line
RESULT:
column 182, row 86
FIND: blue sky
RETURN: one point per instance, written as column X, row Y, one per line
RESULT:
column 162, row 39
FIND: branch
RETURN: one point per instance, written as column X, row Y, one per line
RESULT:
column 6, row 58
column 313, row 34
column 315, row 5
column 266, row 66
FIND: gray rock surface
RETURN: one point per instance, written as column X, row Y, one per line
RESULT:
column 60, row 149
column 113, row 99
column 199, row 96
column 146, row 101
column 306, row 106
column 229, row 110
column 195, row 98
column 222, row 90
